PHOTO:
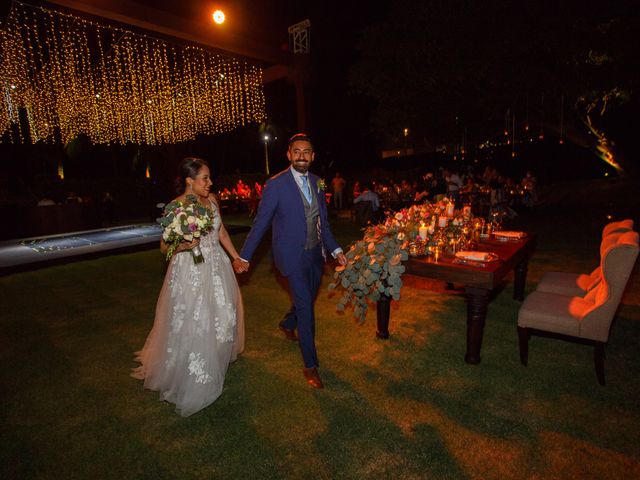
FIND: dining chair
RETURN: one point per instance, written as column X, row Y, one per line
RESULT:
column 617, row 226
column 585, row 319
column 578, row 284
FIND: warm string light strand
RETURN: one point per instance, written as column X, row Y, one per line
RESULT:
column 73, row 76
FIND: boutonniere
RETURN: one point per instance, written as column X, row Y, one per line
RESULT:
column 321, row 185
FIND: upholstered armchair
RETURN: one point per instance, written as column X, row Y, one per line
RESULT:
column 578, row 284
column 617, row 227
column 586, row 318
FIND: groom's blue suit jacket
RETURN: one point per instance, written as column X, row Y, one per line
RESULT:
column 282, row 209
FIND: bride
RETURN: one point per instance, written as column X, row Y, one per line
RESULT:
column 199, row 325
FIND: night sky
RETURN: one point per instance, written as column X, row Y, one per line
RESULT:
column 340, row 121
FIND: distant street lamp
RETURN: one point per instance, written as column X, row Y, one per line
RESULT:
column 218, row 17
column 266, row 137
column 406, row 134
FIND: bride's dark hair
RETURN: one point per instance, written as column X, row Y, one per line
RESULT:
column 188, row 168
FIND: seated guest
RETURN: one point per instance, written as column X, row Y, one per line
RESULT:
column 356, row 189
column 454, row 184
column 72, row 197
column 45, row 201
column 422, row 192
column 368, row 195
column 438, row 187
column 529, row 186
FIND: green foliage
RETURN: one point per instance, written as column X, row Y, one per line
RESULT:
column 374, row 269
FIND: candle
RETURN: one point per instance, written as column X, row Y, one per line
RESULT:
column 422, row 231
column 431, row 229
column 442, row 221
column 450, row 207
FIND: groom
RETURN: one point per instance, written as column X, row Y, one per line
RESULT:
column 293, row 205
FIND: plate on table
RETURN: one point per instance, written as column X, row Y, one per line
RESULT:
column 477, row 257
column 505, row 235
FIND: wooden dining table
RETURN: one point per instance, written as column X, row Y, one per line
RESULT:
column 479, row 280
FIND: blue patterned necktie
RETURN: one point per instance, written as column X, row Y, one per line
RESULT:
column 305, row 188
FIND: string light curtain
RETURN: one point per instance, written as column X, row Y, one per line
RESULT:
column 74, row 76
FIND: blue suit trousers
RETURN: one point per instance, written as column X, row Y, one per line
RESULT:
column 304, row 283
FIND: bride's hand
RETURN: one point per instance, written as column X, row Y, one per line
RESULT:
column 240, row 266
column 188, row 245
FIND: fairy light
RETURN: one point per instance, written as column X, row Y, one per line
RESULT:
column 74, row 76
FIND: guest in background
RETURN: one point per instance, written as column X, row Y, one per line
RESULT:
column 46, row 201
column 72, row 197
column 356, row 190
column 421, row 192
column 529, row 186
column 108, row 208
column 368, row 195
column 337, row 184
column 395, row 202
column 438, row 187
column 254, row 200
column 454, row 184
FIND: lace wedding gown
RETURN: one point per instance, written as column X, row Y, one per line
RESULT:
column 198, row 328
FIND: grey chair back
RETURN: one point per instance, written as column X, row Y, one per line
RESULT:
column 618, row 261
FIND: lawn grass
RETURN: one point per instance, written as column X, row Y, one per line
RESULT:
column 406, row 408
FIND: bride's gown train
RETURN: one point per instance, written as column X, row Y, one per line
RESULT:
column 198, row 328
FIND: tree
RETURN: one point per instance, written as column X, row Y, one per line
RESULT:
column 436, row 65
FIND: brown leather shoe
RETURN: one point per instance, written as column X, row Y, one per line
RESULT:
column 289, row 334
column 313, row 378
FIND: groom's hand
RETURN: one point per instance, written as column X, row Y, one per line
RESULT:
column 341, row 258
column 239, row 265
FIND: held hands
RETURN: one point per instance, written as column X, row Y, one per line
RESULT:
column 341, row 258
column 239, row 265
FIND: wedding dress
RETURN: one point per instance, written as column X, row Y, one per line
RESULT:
column 198, row 328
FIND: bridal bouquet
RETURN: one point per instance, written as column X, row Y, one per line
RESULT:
column 182, row 222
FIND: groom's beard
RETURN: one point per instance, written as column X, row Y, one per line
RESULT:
column 301, row 166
